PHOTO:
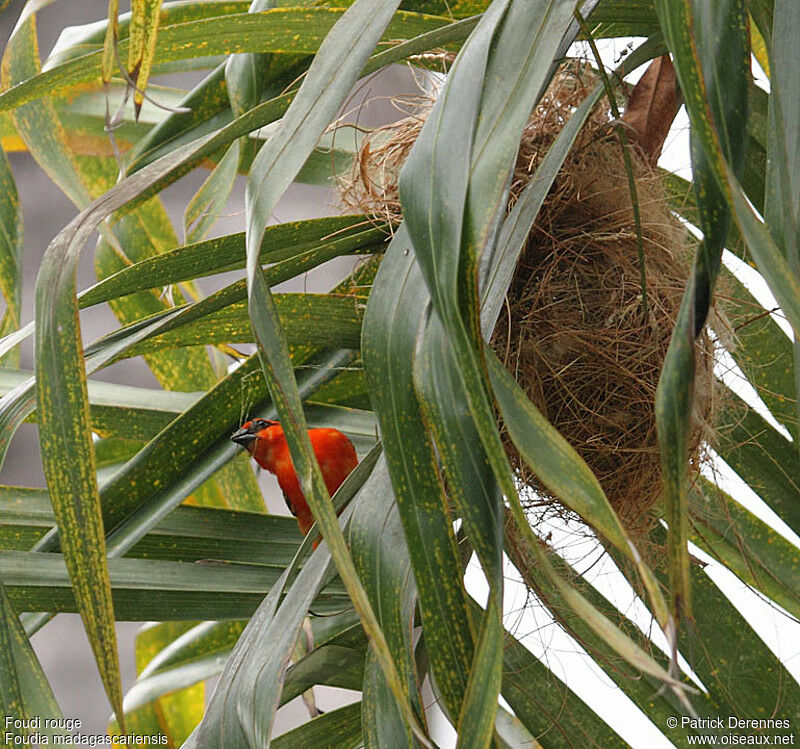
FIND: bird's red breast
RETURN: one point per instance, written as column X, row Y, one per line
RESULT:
column 266, row 442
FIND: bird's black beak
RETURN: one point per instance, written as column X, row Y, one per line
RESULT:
column 244, row 437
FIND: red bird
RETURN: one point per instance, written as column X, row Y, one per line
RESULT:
column 266, row 442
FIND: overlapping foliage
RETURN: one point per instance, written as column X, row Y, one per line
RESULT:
column 394, row 356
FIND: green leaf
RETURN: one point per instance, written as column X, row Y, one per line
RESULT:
column 329, row 665
column 174, row 715
column 142, row 235
column 477, row 499
column 179, row 712
column 147, row 589
column 768, row 256
column 746, row 545
column 142, row 37
column 68, row 456
column 739, row 671
column 763, row 352
column 251, row 76
column 246, row 75
column 338, row 729
column 110, row 41
column 624, row 18
column 208, row 102
column 281, row 30
column 281, row 242
column 19, row 403
column 37, row 123
column 25, row 693
column 763, row 457
column 174, row 165
column 761, row 13
column 782, row 194
column 65, row 435
column 207, row 107
column 476, row 724
column 711, row 50
column 726, row 654
column 640, row 685
column 392, row 320
column 188, row 534
column 74, row 41
column 307, row 319
column 118, row 342
column 511, row 730
column 204, row 640
column 123, row 410
column 243, row 705
column 152, row 638
column 202, row 651
column 329, row 80
column 550, row 710
column 10, row 255
column 146, row 700
column 198, row 112
column 208, row 202
column 145, row 233
column 110, row 453
column 142, row 424
column 381, row 559
column 782, row 203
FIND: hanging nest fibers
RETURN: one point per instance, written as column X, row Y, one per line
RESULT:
column 573, row 332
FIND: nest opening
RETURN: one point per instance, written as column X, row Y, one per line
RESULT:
column 573, row 332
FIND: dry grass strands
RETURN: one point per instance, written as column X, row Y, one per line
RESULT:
column 573, row 332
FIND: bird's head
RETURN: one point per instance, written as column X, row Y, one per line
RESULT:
column 252, row 432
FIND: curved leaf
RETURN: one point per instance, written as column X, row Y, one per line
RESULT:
column 710, row 46
column 307, row 319
column 208, row 202
column 144, row 234
column 281, row 242
column 280, row 30
column 68, row 456
column 381, row 558
column 339, row 729
column 332, row 74
column 147, row 589
column 243, row 705
column 392, row 319
column 10, row 255
column 189, row 534
column 746, row 545
column 782, row 193
column 174, row 715
column 25, row 694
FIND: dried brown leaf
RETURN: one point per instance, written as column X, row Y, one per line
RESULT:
column 652, row 107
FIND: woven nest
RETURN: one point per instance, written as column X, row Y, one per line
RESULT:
column 573, row 332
